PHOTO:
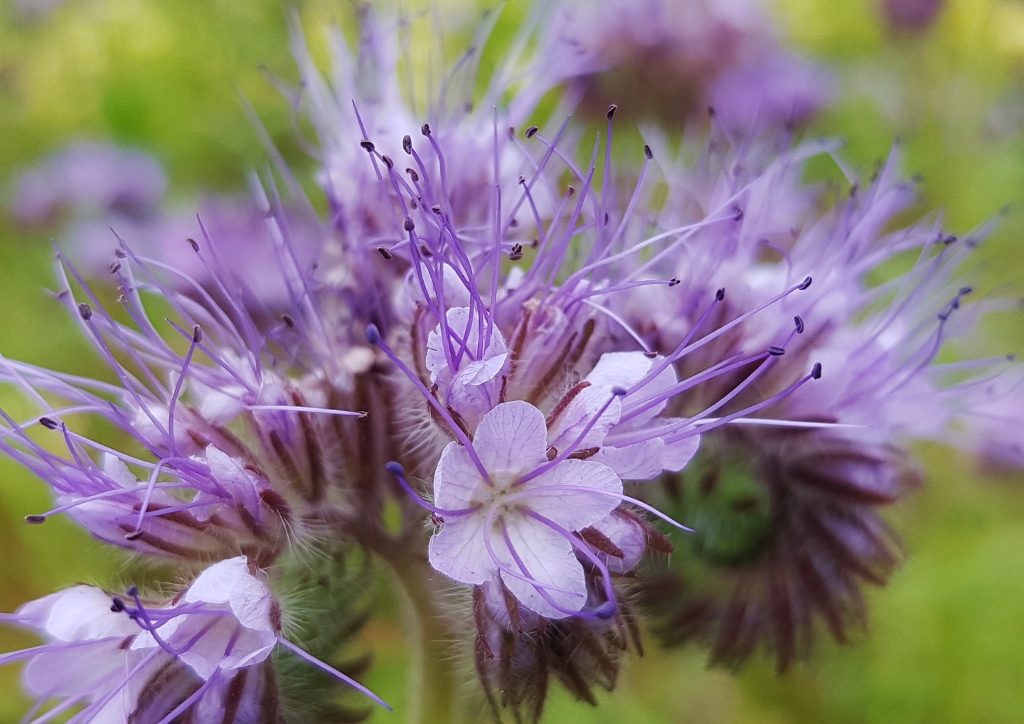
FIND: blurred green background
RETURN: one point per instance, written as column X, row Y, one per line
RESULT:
column 947, row 636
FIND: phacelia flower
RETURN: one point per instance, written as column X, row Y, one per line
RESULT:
column 676, row 60
column 93, row 179
column 205, row 654
column 511, row 375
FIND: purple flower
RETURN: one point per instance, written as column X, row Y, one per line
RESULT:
column 90, row 178
column 910, row 15
column 206, row 652
column 675, row 60
column 510, row 510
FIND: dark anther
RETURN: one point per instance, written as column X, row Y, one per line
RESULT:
column 737, row 213
column 35, row 519
column 407, row 144
column 409, row 224
column 120, row 253
column 372, row 334
column 288, row 320
column 799, row 322
column 776, row 351
column 552, row 452
column 531, row 132
column 387, row 161
column 368, row 145
column 816, row 371
column 85, row 310
column 385, row 253
column 606, row 218
column 49, row 423
column 611, row 111
column 436, row 208
column 425, row 129
column 134, row 535
column 720, row 294
column 197, row 334
column 412, row 174
column 966, row 290
column 522, row 179
column 571, row 190
column 619, row 391
column 648, row 152
column 511, row 131
column 117, row 605
column 650, row 355
column 194, row 244
column 425, row 251
column 949, row 239
column 517, row 252
column 673, row 282
column 804, row 284
column 115, row 267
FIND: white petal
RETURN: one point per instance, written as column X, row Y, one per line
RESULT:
column 230, row 582
column 567, row 428
column 547, row 558
column 458, row 550
column 511, row 439
column 677, row 455
column 581, row 506
column 115, row 468
column 477, row 373
column 620, row 369
column 97, row 666
column 628, row 535
column 457, row 482
column 77, row 614
column 641, row 461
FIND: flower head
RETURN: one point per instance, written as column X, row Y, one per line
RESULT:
column 207, row 652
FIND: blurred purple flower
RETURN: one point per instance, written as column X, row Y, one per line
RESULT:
column 87, row 178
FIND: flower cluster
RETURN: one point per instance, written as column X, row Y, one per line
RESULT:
column 532, row 375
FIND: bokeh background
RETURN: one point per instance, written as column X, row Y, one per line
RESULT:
column 946, row 638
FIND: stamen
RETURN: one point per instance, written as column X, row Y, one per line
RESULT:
column 374, row 338
column 399, row 472
column 616, row 393
column 331, row 670
column 583, row 548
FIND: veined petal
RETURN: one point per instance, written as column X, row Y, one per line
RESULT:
column 677, row 455
column 582, row 506
column 640, row 461
column 458, row 550
column 547, row 558
column 567, row 428
column 457, row 481
column 77, row 614
column 511, row 439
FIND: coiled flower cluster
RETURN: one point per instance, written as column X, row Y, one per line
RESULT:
column 533, row 375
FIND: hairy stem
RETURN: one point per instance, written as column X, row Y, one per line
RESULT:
column 433, row 683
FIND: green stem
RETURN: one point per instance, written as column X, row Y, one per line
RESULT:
column 433, row 683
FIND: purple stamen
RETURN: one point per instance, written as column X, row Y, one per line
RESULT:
column 617, row 392
column 399, row 472
column 374, row 338
column 331, row 670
